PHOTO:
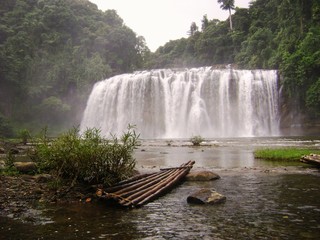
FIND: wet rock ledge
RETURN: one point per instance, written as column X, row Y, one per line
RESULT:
column 20, row 194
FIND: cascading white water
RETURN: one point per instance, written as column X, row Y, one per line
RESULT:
column 184, row 103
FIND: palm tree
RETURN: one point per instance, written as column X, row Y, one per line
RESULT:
column 227, row 5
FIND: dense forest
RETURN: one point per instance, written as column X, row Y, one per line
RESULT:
column 52, row 51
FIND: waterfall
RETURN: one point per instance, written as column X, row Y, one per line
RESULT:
column 168, row 103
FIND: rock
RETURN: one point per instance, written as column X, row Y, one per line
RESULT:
column 43, row 178
column 2, row 165
column 25, row 167
column 312, row 158
column 2, row 151
column 206, row 196
column 37, row 191
column 202, row 176
column 14, row 150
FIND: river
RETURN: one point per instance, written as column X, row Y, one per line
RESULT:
column 264, row 200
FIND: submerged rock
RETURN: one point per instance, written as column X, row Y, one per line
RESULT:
column 206, row 196
column 202, row 176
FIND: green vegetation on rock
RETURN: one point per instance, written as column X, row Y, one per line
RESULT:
column 283, row 154
column 196, row 140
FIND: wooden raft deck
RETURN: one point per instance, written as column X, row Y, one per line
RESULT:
column 144, row 188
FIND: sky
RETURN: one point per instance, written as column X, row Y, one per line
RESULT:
column 160, row 21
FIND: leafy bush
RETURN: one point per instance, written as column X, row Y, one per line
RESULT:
column 196, row 140
column 24, row 134
column 88, row 157
column 169, row 142
column 10, row 169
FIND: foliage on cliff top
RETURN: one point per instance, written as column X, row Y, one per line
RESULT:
column 270, row 34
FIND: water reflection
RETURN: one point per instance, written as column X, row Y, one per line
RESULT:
column 205, row 157
column 258, row 206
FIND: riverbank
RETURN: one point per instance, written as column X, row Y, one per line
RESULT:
column 23, row 196
column 272, row 199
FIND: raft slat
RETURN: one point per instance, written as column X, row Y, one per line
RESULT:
column 142, row 186
column 163, row 189
column 135, row 198
column 141, row 189
column 160, row 188
column 128, row 183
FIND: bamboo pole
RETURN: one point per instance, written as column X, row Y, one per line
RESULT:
column 164, row 187
column 139, row 183
column 157, row 189
column 141, row 194
column 139, row 190
column 128, row 183
column 129, row 192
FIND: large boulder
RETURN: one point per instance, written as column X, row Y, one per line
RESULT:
column 206, row 196
column 202, row 176
column 25, row 167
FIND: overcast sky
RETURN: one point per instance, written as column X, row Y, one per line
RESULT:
column 160, row 21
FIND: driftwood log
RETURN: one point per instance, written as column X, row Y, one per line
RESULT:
column 313, row 159
column 144, row 188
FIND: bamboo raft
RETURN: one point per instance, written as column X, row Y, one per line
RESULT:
column 144, row 188
column 313, row 159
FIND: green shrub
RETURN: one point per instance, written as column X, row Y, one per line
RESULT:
column 169, row 142
column 24, row 134
column 88, row 157
column 196, row 140
column 10, row 169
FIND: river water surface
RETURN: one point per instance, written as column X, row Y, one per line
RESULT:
column 264, row 200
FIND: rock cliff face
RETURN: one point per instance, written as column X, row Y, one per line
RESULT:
column 294, row 121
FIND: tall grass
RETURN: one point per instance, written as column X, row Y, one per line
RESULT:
column 284, row 154
column 88, row 157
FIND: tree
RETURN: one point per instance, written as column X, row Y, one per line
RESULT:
column 51, row 52
column 193, row 29
column 205, row 22
column 227, row 5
